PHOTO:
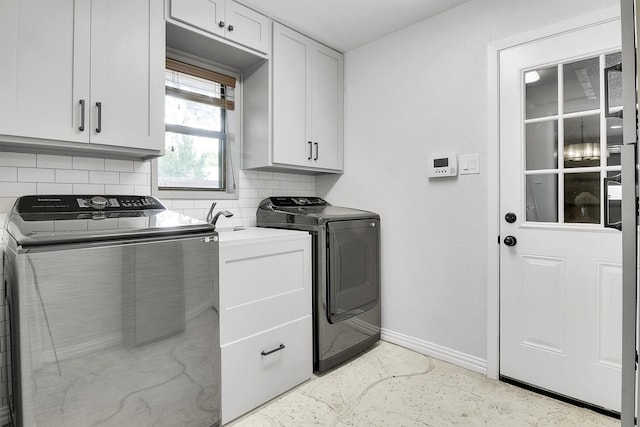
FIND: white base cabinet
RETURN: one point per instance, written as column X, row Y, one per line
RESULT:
column 265, row 316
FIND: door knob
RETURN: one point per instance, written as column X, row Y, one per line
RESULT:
column 510, row 241
column 221, row 24
column 510, row 217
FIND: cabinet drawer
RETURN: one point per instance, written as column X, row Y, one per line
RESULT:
column 250, row 378
column 263, row 285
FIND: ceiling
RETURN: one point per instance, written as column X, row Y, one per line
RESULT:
column 347, row 24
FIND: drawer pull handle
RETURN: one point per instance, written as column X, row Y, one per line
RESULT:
column 266, row 353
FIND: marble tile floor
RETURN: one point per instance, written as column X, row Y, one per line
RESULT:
column 393, row 386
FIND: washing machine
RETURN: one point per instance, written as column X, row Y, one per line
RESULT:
column 346, row 273
column 112, row 305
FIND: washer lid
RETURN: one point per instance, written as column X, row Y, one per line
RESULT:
column 54, row 219
column 305, row 210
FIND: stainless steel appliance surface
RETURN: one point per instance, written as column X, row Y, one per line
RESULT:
column 112, row 313
column 346, row 273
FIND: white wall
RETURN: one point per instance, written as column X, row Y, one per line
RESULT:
column 421, row 91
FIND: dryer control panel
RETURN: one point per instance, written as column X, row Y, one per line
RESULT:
column 297, row 201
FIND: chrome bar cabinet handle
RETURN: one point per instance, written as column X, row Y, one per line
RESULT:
column 82, row 108
column 99, row 127
column 266, row 353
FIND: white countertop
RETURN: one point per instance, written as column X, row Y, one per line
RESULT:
column 229, row 235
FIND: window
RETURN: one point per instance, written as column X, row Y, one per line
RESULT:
column 198, row 103
column 570, row 145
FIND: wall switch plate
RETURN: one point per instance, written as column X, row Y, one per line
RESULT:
column 469, row 164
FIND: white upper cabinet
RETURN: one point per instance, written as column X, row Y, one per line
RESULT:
column 83, row 72
column 306, row 108
column 127, row 73
column 224, row 18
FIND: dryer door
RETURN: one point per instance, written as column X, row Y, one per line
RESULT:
column 353, row 264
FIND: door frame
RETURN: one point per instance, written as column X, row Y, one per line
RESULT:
column 493, row 163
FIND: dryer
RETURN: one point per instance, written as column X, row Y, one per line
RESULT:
column 346, row 273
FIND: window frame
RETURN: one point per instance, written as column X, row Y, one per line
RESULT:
column 232, row 142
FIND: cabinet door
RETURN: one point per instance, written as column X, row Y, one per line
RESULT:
column 204, row 14
column 291, row 98
column 45, row 70
column 247, row 27
column 327, row 108
column 127, row 73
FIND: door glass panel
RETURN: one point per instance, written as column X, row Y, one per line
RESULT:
column 582, row 141
column 542, row 145
column 542, row 198
column 582, row 198
column 582, row 85
column 353, row 268
column 541, row 92
column 572, row 131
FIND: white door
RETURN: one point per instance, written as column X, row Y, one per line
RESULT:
column 560, row 275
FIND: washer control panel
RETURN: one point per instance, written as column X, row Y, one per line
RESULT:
column 85, row 203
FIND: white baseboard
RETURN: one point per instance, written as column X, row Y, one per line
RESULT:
column 454, row 357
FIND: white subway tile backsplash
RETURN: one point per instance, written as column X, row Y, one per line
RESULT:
column 265, row 175
column 8, row 173
column 104, row 177
column 72, row 176
column 54, row 162
column 118, row 165
column 142, row 167
column 203, row 204
column 54, row 188
column 273, row 184
column 17, row 189
column 88, row 163
column 134, row 178
column 257, row 183
column 286, row 185
column 299, row 186
column 36, row 175
column 182, row 204
column 5, row 206
column 248, row 192
column 17, row 159
column 248, row 174
column 88, row 189
column 142, row 190
column 119, row 189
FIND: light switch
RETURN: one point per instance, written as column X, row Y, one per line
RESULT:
column 470, row 164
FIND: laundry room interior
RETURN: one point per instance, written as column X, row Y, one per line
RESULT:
column 372, row 126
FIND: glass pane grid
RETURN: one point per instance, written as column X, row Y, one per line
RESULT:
column 569, row 150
